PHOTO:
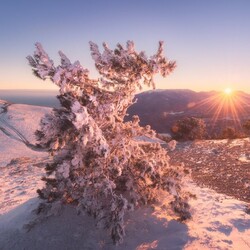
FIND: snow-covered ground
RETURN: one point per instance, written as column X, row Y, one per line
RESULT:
column 219, row 222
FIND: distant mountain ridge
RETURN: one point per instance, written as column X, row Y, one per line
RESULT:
column 46, row 98
column 161, row 108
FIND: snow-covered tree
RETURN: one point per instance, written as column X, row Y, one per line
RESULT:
column 98, row 164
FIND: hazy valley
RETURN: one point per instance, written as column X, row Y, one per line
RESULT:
column 162, row 108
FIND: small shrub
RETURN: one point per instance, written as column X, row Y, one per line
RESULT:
column 246, row 126
column 189, row 128
column 229, row 133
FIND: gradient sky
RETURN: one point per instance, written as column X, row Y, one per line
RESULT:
column 210, row 40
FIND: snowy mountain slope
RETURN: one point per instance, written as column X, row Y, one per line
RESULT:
column 18, row 163
column 219, row 222
column 25, row 119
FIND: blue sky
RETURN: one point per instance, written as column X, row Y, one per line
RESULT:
column 210, row 40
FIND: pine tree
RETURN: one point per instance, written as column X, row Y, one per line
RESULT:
column 98, row 165
column 189, row 128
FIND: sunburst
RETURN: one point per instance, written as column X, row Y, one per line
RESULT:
column 228, row 106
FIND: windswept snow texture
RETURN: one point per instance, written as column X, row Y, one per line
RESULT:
column 25, row 119
column 219, row 222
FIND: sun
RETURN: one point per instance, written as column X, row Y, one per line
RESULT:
column 228, row 91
